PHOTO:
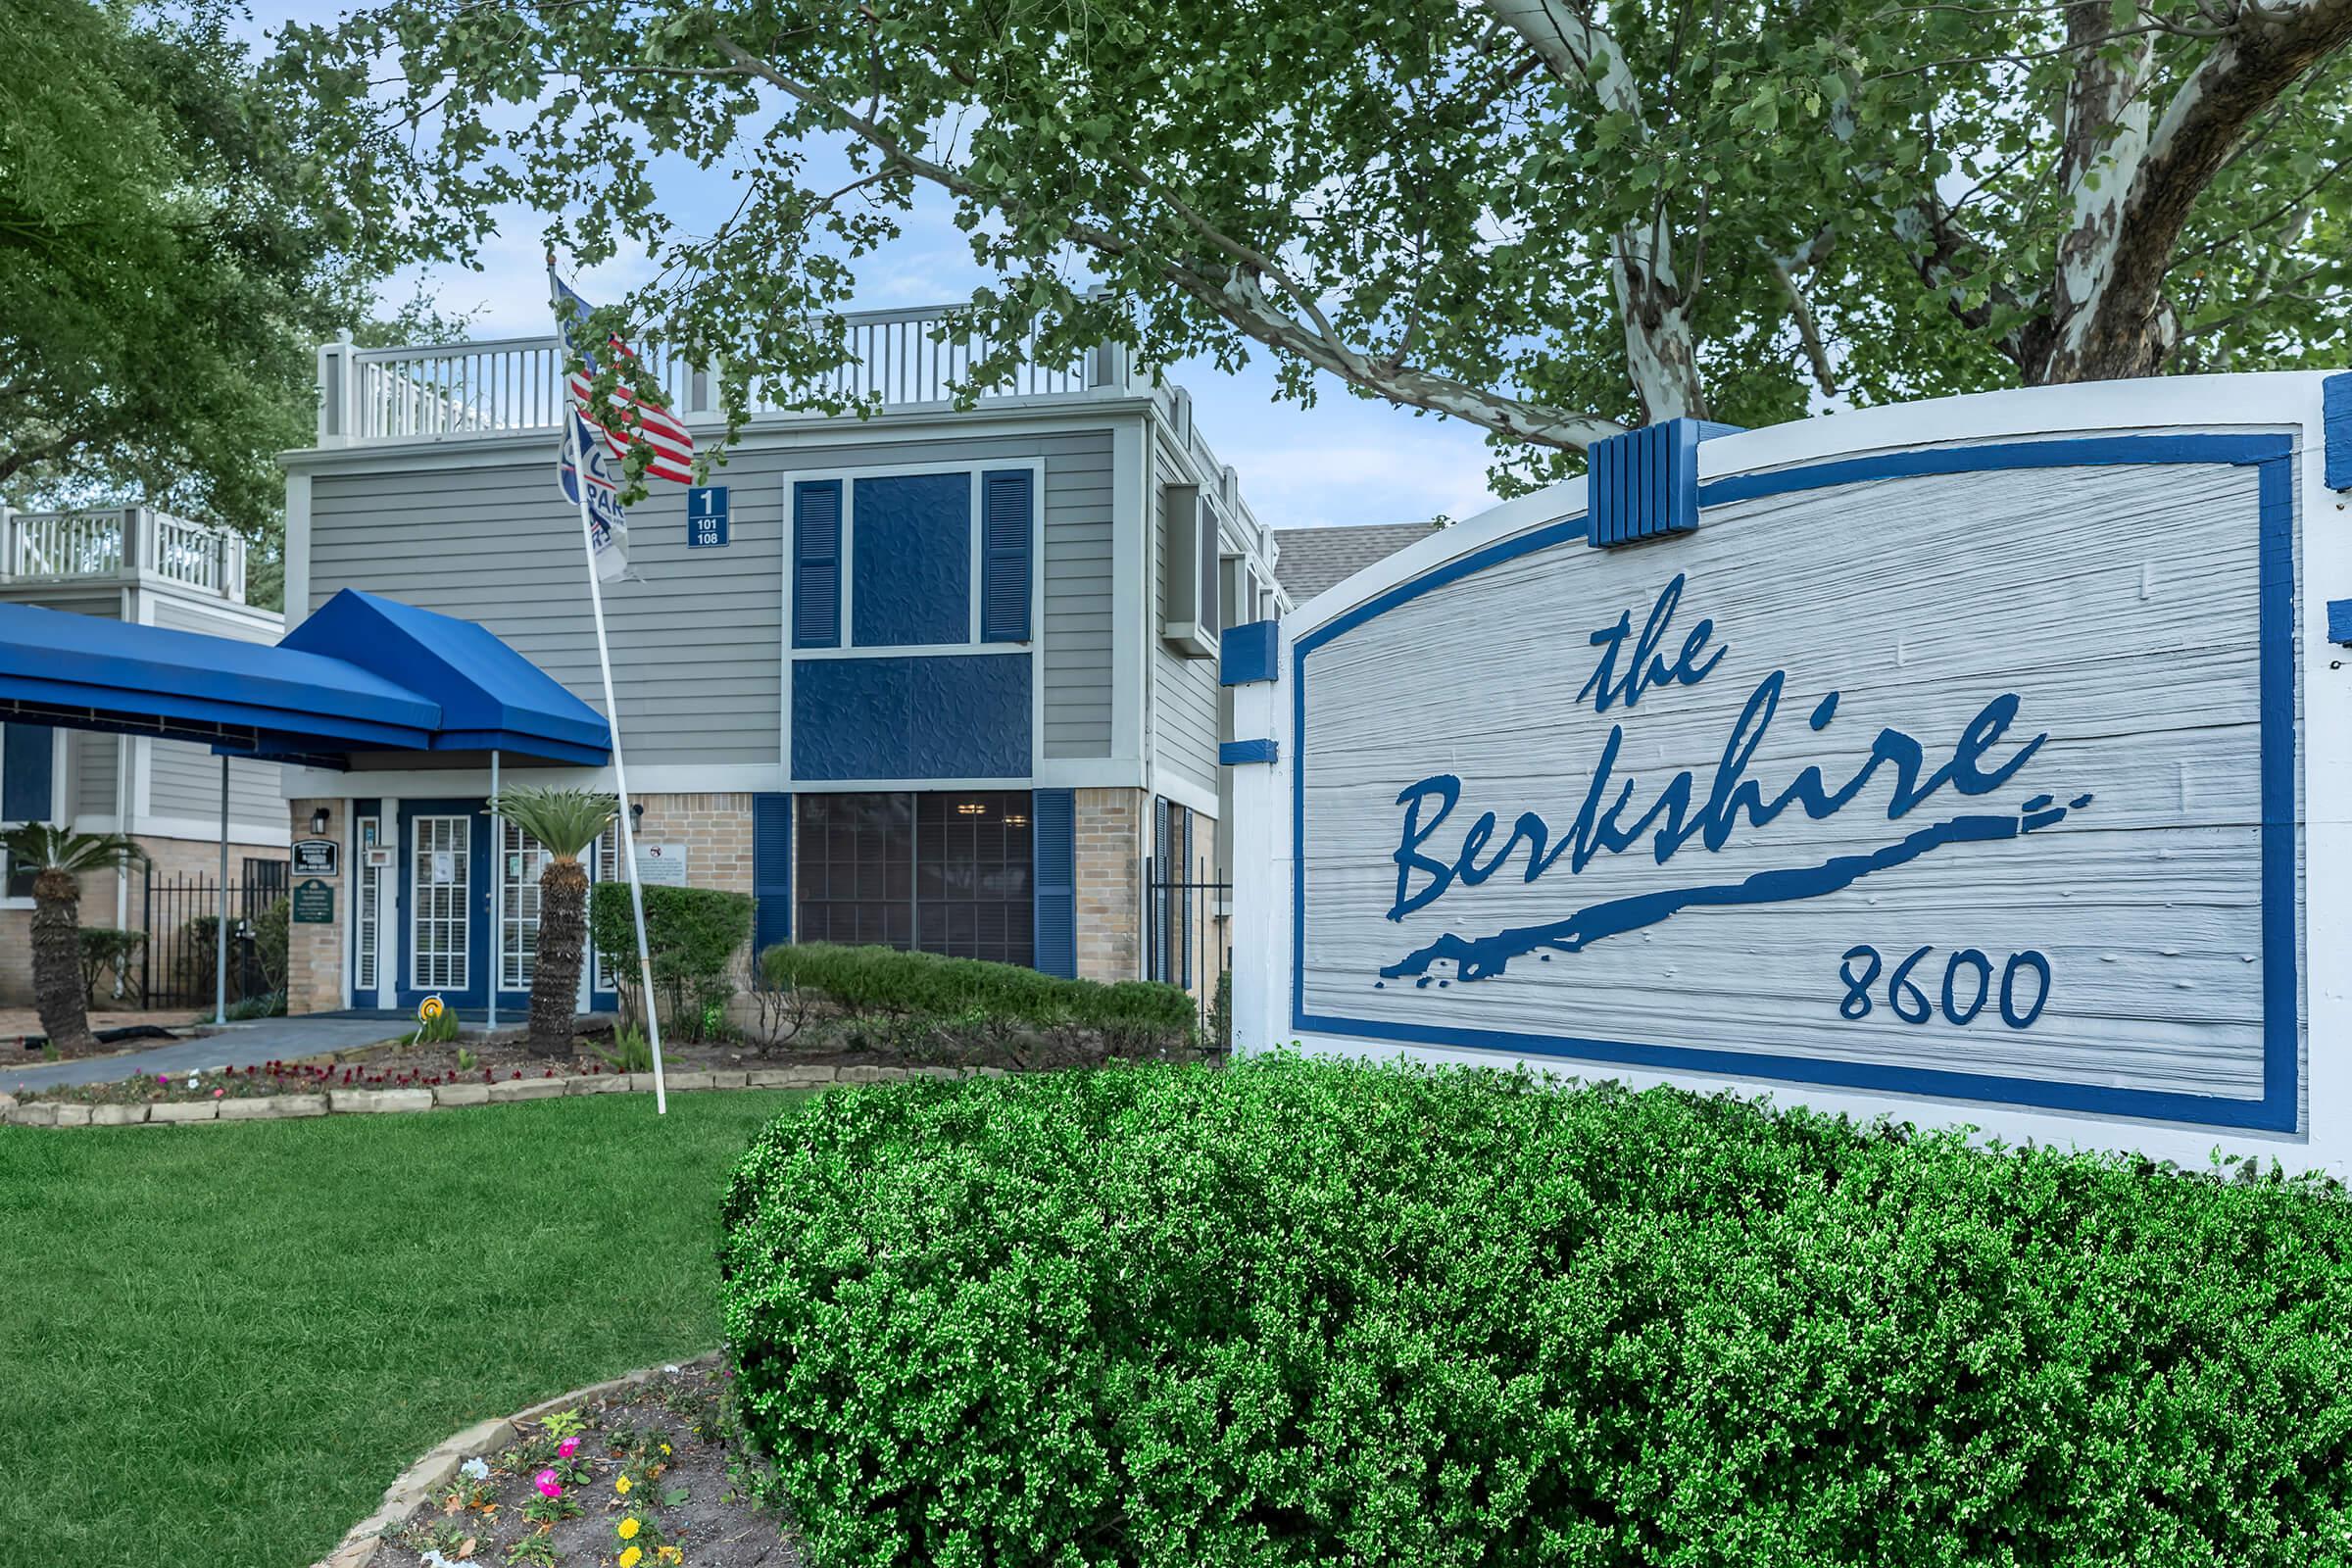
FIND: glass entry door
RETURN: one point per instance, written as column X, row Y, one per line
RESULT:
column 440, row 904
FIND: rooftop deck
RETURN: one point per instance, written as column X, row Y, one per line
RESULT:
column 905, row 362
column 135, row 545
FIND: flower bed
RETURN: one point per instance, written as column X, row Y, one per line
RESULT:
column 651, row 1475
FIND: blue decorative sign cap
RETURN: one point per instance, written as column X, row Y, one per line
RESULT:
column 2339, row 620
column 1252, row 653
column 2335, row 421
column 1233, row 753
column 1645, row 483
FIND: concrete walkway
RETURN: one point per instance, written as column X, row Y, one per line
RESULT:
column 235, row 1044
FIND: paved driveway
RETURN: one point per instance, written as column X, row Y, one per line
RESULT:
column 236, row 1045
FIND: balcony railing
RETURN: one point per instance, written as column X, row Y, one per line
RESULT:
column 122, row 542
column 900, row 360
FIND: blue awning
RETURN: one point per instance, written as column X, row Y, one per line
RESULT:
column 365, row 675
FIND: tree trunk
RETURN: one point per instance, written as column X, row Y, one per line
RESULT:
column 1660, row 353
column 555, row 968
column 56, row 963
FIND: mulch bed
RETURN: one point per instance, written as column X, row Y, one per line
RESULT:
column 665, row 1454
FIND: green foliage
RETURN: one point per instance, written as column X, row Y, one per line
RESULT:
column 632, row 1052
column 45, row 847
column 1312, row 1312
column 563, row 821
column 438, row 1030
column 269, row 937
column 176, row 244
column 693, row 935
column 1430, row 202
column 268, row 1005
column 1130, row 1017
column 109, row 955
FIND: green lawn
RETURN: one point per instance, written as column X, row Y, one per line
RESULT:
column 224, row 1342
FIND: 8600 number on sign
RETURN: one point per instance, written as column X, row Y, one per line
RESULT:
column 1968, row 987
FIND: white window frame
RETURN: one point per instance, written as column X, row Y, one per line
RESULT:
column 368, row 885
column 417, row 888
column 57, row 798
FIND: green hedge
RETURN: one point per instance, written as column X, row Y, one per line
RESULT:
column 1299, row 1312
column 691, row 934
column 1137, row 1014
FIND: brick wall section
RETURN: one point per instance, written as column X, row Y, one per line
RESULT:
column 717, row 830
column 1110, row 828
column 315, row 952
column 174, row 860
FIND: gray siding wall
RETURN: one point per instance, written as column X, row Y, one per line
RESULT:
column 95, row 759
column 183, row 777
column 1184, row 691
column 698, row 646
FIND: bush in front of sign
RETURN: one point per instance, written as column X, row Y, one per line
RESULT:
column 1299, row 1312
column 692, row 934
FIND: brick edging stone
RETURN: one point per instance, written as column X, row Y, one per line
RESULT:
column 420, row 1480
column 442, row 1096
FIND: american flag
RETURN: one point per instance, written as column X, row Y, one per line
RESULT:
column 664, row 436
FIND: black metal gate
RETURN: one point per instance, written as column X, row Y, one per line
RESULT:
column 1187, row 941
column 177, row 913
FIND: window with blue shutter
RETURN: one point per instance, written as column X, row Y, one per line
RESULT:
column 1056, row 884
column 771, row 871
column 1007, row 522
column 28, row 761
column 816, row 564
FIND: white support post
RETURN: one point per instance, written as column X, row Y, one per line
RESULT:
column 220, row 918
column 497, row 894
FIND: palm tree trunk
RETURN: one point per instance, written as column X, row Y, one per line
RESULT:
column 555, row 968
column 56, row 963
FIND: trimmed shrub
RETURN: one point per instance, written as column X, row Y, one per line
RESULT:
column 1302, row 1313
column 996, row 1000
column 110, row 956
column 692, row 935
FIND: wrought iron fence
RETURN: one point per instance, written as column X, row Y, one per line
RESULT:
column 177, row 969
column 1186, row 940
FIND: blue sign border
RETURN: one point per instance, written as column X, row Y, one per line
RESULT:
column 2277, row 1108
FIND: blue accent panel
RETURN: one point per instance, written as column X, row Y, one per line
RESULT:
column 2275, row 1111
column 1643, row 484
column 816, row 564
column 2335, row 424
column 2339, row 620
column 1249, row 653
column 1054, row 814
column 771, row 871
column 911, row 571
column 953, row 715
column 1007, row 522
column 1236, row 752
column 27, row 772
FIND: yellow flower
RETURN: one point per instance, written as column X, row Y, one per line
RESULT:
column 621, row 1486
column 628, row 1528
column 628, row 1558
column 665, row 1448
column 670, row 1554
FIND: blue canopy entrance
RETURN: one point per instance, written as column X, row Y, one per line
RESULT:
column 363, row 674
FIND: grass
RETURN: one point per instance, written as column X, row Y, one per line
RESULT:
column 224, row 1342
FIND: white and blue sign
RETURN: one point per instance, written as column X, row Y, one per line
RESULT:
column 1961, row 765
column 705, row 517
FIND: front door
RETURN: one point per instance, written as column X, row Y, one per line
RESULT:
column 444, row 903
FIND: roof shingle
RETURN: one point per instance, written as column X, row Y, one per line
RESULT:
column 1313, row 560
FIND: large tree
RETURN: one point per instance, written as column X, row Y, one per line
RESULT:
column 1549, row 218
column 173, row 247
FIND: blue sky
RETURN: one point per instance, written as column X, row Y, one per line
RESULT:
column 1343, row 461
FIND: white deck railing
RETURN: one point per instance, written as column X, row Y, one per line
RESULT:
column 902, row 359
column 120, row 542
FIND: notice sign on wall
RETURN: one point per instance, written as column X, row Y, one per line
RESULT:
column 312, row 903
column 661, row 865
column 1959, row 771
column 316, row 857
column 705, row 517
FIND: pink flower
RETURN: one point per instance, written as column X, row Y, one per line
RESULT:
column 547, row 1484
column 217, row 1093
column 567, row 1448
column 163, row 1078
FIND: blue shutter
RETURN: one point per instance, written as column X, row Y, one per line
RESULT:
column 816, row 564
column 1053, row 815
column 1007, row 509
column 27, row 764
column 771, row 871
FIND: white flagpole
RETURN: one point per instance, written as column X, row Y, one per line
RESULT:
column 621, row 770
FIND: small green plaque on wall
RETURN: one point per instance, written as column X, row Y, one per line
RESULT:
column 313, row 903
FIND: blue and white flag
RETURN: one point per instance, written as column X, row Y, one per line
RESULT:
column 608, row 521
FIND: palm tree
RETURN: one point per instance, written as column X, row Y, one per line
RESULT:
column 565, row 822
column 59, row 859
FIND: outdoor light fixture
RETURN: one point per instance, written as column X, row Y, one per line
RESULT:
column 636, row 815
column 318, row 822
column 970, row 807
